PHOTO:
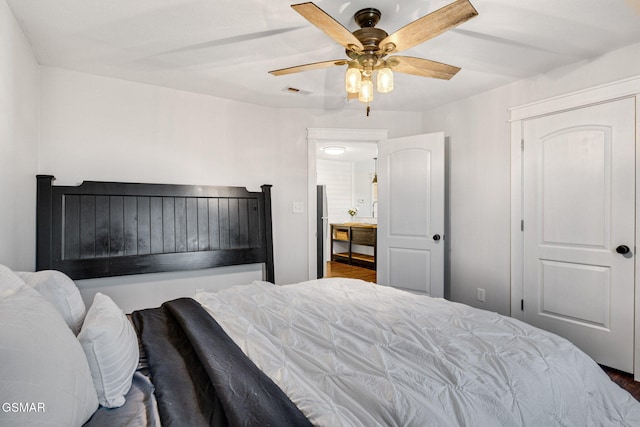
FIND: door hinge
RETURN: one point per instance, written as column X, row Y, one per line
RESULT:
column 522, row 145
column 522, row 225
column 522, row 304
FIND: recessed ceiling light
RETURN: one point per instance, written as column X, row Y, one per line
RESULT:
column 334, row 150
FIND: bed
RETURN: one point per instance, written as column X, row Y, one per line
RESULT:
column 330, row 352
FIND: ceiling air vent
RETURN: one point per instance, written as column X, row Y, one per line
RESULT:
column 295, row 91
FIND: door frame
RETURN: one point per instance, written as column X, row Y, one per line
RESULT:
column 328, row 136
column 627, row 88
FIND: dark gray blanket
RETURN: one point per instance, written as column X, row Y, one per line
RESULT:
column 202, row 378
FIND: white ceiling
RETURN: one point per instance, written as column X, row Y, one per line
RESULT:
column 225, row 48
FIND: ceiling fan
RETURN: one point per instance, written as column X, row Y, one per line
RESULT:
column 368, row 47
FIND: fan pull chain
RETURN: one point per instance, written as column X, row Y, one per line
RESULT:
column 368, row 110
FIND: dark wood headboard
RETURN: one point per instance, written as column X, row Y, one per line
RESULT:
column 100, row 229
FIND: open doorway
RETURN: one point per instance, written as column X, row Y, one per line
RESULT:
column 347, row 220
column 351, row 189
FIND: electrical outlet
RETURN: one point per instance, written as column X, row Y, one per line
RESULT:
column 480, row 294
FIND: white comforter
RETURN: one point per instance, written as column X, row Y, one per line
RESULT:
column 350, row 353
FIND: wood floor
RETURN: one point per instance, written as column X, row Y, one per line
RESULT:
column 338, row 269
column 624, row 380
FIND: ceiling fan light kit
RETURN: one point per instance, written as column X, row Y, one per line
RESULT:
column 369, row 46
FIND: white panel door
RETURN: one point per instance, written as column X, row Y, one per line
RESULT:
column 411, row 213
column 579, row 211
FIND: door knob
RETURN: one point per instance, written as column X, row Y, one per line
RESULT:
column 436, row 237
column 623, row 249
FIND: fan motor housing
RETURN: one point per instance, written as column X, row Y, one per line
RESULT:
column 369, row 36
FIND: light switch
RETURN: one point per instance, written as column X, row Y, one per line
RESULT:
column 298, row 207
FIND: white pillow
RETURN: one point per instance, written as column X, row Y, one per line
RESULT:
column 42, row 365
column 9, row 282
column 111, row 346
column 62, row 292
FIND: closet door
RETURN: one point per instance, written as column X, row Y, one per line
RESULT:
column 579, row 215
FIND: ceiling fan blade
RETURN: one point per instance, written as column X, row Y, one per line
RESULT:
column 429, row 26
column 422, row 67
column 330, row 26
column 307, row 67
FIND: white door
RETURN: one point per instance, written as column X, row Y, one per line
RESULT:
column 411, row 213
column 579, row 210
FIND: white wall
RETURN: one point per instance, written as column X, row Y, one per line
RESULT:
column 98, row 128
column 337, row 176
column 478, row 138
column 362, row 188
column 348, row 185
column 18, row 144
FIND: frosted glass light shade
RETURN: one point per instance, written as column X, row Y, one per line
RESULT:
column 385, row 80
column 334, row 150
column 352, row 80
column 366, row 91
